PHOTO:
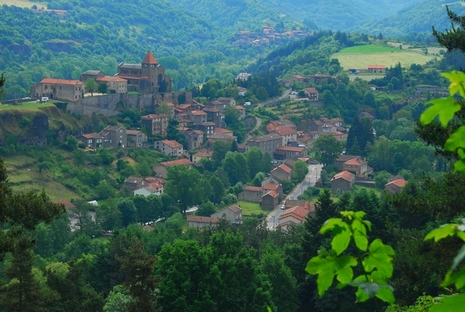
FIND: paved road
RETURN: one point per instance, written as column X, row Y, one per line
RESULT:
column 312, row 176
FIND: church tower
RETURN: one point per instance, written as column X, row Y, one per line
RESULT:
column 154, row 73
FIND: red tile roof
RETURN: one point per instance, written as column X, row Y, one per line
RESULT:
column 297, row 212
column 271, row 186
column 132, row 132
column 172, row 143
column 353, row 162
column 273, row 194
column 111, row 79
column 199, row 219
column 62, row 81
column 377, row 66
column 198, row 113
column 222, row 130
column 284, row 168
column 149, row 59
column 311, row 90
column 285, row 131
column 399, row 183
column 251, row 188
column 346, row 175
column 291, row 149
column 235, row 208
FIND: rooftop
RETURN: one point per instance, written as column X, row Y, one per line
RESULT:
column 62, row 81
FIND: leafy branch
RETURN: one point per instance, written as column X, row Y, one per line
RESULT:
column 374, row 259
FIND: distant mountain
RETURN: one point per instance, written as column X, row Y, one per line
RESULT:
column 341, row 15
column 418, row 18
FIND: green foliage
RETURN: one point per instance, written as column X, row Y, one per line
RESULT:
column 328, row 149
column 375, row 259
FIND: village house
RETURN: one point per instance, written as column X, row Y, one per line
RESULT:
column 241, row 91
column 355, row 164
column 221, row 136
column 133, row 183
column 156, row 124
column 214, row 115
column 275, row 124
column 243, row 76
column 198, row 117
column 395, row 186
column 116, row 84
column 169, row 148
column 342, row 182
column 93, row 74
column 373, row 69
column 194, row 138
column 207, row 128
column 242, row 112
column 278, row 188
column 161, row 169
column 58, row 89
column 201, row 154
column 136, row 138
column 146, row 77
column 295, row 215
column 201, row 222
column 267, row 143
column 287, row 134
column 91, row 140
column 232, row 214
column 284, row 152
column 251, row 193
column 311, row 93
column 270, row 200
column 282, row 172
column 149, row 190
column 114, row 136
column 221, row 103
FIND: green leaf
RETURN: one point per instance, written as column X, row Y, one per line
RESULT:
column 341, row 240
column 331, row 224
column 325, row 269
column 380, row 258
column 458, row 258
column 456, row 140
column 360, row 238
column 454, row 303
column 343, row 269
column 443, row 231
column 459, row 165
column 386, row 294
column 456, row 82
column 361, row 296
column 444, row 107
column 457, row 278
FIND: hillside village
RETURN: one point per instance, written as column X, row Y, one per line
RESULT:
column 200, row 126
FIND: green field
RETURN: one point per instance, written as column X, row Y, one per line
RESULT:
column 361, row 56
column 26, row 106
column 23, row 3
column 249, row 208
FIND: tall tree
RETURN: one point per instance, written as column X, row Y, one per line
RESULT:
column 362, row 129
column 183, row 186
column 90, row 85
column 328, row 149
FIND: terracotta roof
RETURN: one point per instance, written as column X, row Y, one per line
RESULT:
column 178, row 162
column 353, row 162
column 346, row 175
column 198, row 113
column 291, row 149
column 252, row 188
column 211, row 109
column 155, row 179
column 183, row 106
column 238, row 107
column 204, row 153
column 62, row 81
column 399, row 183
column 149, row 59
column 284, row 168
column 132, row 132
column 377, row 66
column 172, row 143
column 154, row 116
column 298, row 212
column 235, row 208
column 285, row 131
column 271, row 186
column 111, row 79
column 311, row 90
column 222, row 130
column 273, row 194
column 156, row 185
column 199, row 219
column 90, row 135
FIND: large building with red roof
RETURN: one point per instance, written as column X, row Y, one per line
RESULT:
column 147, row 77
column 58, row 89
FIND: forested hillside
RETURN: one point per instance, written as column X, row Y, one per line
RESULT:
column 415, row 22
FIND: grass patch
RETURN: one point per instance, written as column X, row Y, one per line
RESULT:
column 363, row 49
column 249, row 208
column 30, row 106
column 23, row 3
column 362, row 56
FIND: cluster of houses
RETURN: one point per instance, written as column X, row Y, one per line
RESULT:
column 246, row 38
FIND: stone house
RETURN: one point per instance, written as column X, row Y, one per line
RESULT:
column 357, row 166
column 147, row 191
column 91, row 140
column 134, row 183
column 275, row 124
column 251, row 194
column 282, row 172
column 232, row 214
column 295, row 215
column 136, row 138
column 169, row 148
column 201, row 222
column 311, row 93
column 161, row 169
column 372, row 69
column 194, row 138
column 287, row 134
column 395, row 186
column 58, row 89
column 267, row 143
column 242, row 112
column 114, row 136
column 207, row 128
column 201, row 154
column 220, row 136
column 93, row 74
column 278, row 188
column 270, row 200
column 221, row 103
column 156, row 124
column 342, row 182
column 285, row 152
column 198, row 117
column 114, row 83
column 214, row 115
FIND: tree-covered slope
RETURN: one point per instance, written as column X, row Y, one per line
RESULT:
column 419, row 18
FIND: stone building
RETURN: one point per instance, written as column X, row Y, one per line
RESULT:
column 58, row 89
column 116, row 84
column 156, row 124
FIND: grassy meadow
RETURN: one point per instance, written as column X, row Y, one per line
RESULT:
column 23, row 3
column 249, row 208
column 362, row 56
column 26, row 106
